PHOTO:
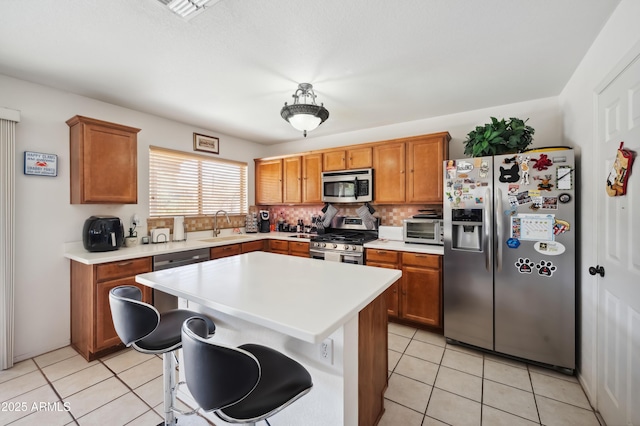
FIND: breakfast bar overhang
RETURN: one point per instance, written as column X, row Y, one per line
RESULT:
column 329, row 316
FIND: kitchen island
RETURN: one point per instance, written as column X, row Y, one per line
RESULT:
column 331, row 317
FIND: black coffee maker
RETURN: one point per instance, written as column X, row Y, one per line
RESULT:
column 264, row 221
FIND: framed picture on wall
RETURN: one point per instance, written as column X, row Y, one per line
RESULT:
column 206, row 143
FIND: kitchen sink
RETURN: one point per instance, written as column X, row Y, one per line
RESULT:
column 226, row 238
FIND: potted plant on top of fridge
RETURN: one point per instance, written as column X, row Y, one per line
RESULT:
column 499, row 137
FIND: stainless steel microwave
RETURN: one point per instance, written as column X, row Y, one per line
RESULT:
column 347, row 186
column 423, row 231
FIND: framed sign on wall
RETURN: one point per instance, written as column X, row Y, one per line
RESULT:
column 40, row 164
column 206, row 143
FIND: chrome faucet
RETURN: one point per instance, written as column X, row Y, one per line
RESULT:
column 216, row 231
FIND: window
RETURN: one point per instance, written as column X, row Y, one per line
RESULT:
column 181, row 183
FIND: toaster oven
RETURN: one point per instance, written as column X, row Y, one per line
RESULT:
column 423, row 231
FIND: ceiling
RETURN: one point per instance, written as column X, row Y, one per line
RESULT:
column 231, row 68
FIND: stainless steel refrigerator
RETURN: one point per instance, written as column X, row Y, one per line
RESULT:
column 509, row 254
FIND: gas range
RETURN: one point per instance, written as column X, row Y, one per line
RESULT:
column 344, row 241
column 338, row 241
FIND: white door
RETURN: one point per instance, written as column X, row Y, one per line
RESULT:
column 619, row 254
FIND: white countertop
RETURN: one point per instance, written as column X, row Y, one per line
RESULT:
column 75, row 250
column 402, row 246
column 304, row 298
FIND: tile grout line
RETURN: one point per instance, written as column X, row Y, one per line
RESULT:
column 54, row 389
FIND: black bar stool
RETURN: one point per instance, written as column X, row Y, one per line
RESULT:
column 140, row 325
column 246, row 384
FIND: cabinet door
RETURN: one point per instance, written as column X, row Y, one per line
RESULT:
column 269, row 181
column 421, row 295
column 334, row 160
column 104, row 162
column 106, row 335
column 389, row 173
column 292, row 180
column 312, row 178
column 390, row 294
column 360, row 158
column 225, row 251
column 424, row 166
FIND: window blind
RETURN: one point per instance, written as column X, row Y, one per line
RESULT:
column 181, row 183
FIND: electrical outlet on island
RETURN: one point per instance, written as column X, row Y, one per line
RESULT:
column 326, row 351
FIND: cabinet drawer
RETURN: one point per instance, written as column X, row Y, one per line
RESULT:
column 253, row 246
column 279, row 245
column 299, row 247
column 124, row 268
column 387, row 256
column 420, row 259
column 224, row 251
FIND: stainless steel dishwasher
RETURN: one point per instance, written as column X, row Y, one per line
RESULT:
column 163, row 301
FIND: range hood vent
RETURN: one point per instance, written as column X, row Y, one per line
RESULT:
column 187, row 9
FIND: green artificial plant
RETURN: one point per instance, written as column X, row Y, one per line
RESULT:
column 499, row 137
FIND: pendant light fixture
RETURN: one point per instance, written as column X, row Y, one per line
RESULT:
column 304, row 114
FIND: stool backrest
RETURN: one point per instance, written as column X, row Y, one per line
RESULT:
column 132, row 318
column 217, row 376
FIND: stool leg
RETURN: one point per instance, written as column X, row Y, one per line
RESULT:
column 169, row 380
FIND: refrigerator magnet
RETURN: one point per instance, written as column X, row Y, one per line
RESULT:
column 484, row 169
column 546, row 268
column 563, row 176
column 564, row 198
column 524, row 266
column 513, row 243
column 550, row 248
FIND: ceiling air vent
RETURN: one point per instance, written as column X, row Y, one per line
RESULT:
column 187, row 9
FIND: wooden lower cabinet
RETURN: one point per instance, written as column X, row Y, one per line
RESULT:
column 299, row 248
column 253, row 246
column 279, row 246
column 92, row 331
column 387, row 259
column 417, row 297
column 225, row 251
column 421, row 289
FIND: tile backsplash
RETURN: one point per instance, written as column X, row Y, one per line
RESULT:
column 390, row 215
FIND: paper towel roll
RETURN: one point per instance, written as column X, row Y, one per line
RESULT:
column 178, row 228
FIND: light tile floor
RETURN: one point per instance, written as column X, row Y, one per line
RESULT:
column 430, row 383
column 435, row 383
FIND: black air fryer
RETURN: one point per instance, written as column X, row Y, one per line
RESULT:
column 102, row 233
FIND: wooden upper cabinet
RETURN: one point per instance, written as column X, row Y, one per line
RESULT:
column 353, row 158
column 268, row 181
column 104, row 162
column 312, row 178
column 334, row 160
column 292, row 180
column 360, row 158
column 424, row 169
column 389, row 173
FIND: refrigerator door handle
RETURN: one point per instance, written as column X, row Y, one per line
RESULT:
column 487, row 215
column 499, row 228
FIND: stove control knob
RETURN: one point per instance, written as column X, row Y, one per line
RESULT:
column 335, row 246
column 354, row 248
column 324, row 244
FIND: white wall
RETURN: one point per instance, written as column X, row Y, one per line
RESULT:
column 46, row 219
column 619, row 35
column 544, row 116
